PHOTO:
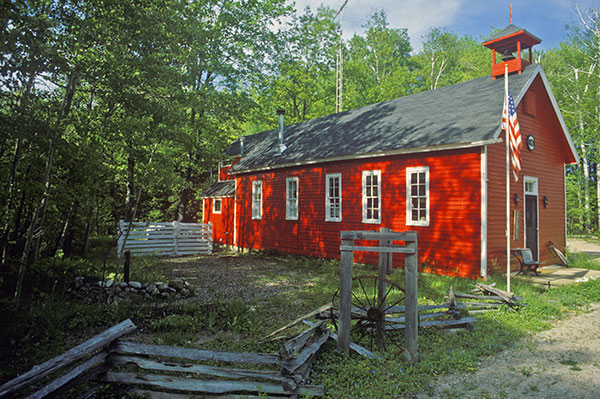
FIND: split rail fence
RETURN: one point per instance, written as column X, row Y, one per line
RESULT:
column 169, row 372
column 165, row 238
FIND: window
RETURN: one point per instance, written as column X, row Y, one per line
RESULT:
column 217, row 205
column 257, row 199
column 417, row 196
column 371, row 196
column 291, row 198
column 333, row 197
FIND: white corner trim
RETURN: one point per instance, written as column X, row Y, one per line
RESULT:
column 484, row 212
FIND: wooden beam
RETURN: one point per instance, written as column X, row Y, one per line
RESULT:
column 65, row 379
column 194, row 354
column 69, row 357
column 231, row 373
column 395, row 250
column 293, row 345
column 345, row 311
column 299, row 320
column 356, row 348
column 210, row 386
column 376, row 235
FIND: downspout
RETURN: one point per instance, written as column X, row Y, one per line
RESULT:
column 282, row 146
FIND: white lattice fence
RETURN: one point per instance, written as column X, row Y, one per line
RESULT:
column 165, row 238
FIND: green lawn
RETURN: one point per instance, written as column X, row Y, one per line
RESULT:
column 49, row 323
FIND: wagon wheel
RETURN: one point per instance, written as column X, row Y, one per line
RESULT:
column 368, row 311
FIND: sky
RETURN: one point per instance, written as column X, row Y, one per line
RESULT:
column 545, row 19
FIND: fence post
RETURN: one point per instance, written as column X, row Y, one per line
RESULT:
column 127, row 266
column 210, row 237
column 175, row 235
column 411, row 301
column 344, row 318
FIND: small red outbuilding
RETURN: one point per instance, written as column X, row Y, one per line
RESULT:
column 432, row 162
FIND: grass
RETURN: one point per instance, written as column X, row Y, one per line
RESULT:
column 50, row 324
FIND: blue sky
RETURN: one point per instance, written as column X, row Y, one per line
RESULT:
column 546, row 19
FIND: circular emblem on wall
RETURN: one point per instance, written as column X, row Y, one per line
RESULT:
column 530, row 142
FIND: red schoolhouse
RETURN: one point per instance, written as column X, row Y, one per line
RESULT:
column 432, row 162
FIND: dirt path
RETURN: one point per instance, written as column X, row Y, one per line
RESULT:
column 563, row 362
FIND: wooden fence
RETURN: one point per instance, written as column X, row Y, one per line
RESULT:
column 165, row 238
column 183, row 370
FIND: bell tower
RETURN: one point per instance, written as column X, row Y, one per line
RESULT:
column 509, row 43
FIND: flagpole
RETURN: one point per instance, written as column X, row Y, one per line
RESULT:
column 506, row 138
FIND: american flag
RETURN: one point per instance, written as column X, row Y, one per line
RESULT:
column 510, row 122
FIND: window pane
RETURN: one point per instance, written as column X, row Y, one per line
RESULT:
column 413, row 178
column 421, row 189
column 422, row 203
column 422, row 177
column 415, row 215
column 422, row 215
column 375, row 214
column 415, row 202
column 413, row 190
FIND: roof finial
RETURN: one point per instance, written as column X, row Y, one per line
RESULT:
column 510, row 7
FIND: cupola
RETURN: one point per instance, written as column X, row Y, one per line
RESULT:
column 509, row 43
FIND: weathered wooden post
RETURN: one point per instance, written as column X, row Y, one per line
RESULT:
column 344, row 318
column 411, row 299
column 127, row 266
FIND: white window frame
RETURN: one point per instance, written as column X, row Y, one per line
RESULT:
column 257, row 199
column 215, row 203
column 328, row 198
column 409, row 197
column 291, row 202
column 365, row 197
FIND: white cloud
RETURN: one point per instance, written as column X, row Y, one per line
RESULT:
column 418, row 16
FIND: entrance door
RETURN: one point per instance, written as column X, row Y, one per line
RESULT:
column 531, row 216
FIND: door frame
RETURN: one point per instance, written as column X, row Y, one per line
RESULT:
column 534, row 192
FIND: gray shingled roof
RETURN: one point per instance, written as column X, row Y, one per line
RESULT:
column 220, row 189
column 462, row 114
column 509, row 30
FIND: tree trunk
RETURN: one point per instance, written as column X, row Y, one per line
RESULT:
column 586, row 188
column 37, row 219
column 130, row 198
column 89, row 224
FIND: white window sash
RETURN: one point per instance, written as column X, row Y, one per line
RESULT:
column 409, row 198
column 257, row 199
column 215, row 205
column 291, row 198
column 365, row 197
column 328, row 206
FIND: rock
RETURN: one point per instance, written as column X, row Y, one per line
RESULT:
column 157, row 283
column 135, row 284
column 177, row 285
column 123, row 285
column 163, row 287
column 109, row 283
column 155, row 291
column 171, row 290
column 79, row 282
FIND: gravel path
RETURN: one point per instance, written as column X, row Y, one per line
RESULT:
column 563, row 362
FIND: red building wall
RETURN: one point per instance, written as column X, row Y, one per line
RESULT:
column 449, row 245
column 546, row 163
column 222, row 222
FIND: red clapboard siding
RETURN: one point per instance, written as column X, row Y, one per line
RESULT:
column 222, row 222
column 546, row 163
column 449, row 245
